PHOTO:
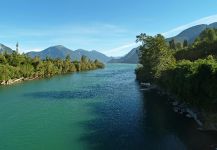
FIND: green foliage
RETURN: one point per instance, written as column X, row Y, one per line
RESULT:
column 4, row 72
column 172, row 44
column 13, row 66
column 178, row 45
column 98, row 64
column 194, row 82
column 208, row 35
column 3, row 59
column 192, row 76
column 185, row 44
column 140, row 74
column 204, row 45
column 175, row 45
column 155, row 56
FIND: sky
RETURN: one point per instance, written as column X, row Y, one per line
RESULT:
column 108, row 26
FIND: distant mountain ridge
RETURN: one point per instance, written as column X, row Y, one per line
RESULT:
column 77, row 54
column 52, row 52
column 6, row 49
column 131, row 57
column 61, row 52
column 192, row 33
column 189, row 34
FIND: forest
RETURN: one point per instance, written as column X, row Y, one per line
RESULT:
column 16, row 66
column 187, row 70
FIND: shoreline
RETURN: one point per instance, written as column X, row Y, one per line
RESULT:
column 22, row 79
column 17, row 80
column 199, row 116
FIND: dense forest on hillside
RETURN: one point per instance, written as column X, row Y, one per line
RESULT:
column 15, row 66
column 188, row 71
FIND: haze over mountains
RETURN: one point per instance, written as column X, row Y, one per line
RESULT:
column 60, row 51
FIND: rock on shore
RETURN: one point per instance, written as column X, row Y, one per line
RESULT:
column 13, row 81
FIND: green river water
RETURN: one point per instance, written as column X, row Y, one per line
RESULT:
column 96, row 110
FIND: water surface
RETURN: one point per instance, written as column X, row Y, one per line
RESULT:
column 95, row 110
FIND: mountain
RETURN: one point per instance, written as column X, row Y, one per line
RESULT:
column 189, row 34
column 4, row 48
column 58, row 51
column 213, row 25
column 192, row 33
column 61, row 52
column 131, row 58
column 77, row 54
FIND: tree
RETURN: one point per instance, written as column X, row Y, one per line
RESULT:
column 26, row 70
column 2, row 59
column 208, row 35
column 68, row 58
column 4, row 73
column 185, row 43
column 20, row 65
column 17, row 47
column 98, row 64
column 83, row 59
column 141, row 38
column 36, row 61
column 178, row 45
column 155, row 56
column 172, row 44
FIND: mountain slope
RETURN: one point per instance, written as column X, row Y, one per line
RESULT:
column 61, row 52
column 192, row 33
column 189, row 34
column 77, row 54
column 58, row 51
column 131, row 58
column 4, row 48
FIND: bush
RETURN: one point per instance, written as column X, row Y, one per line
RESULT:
column 19, row 65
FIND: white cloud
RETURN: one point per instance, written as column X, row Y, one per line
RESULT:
column 89, row 36
column 121, row 50
column 36, row 49
column 64, row 30
column 30, row 50
column 205, row 20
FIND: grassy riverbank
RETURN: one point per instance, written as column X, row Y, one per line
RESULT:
column 19, row 67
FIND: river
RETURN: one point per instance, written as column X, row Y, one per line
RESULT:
column 95, row 110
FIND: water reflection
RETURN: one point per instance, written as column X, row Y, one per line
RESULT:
column 154, row 127
column 170, row 130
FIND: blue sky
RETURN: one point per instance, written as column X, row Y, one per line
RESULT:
column 109, row 26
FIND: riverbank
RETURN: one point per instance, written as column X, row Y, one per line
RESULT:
column 19, row 80
column 15, row 68
column 206, row 121
column 191, row 79
column 22, row 79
